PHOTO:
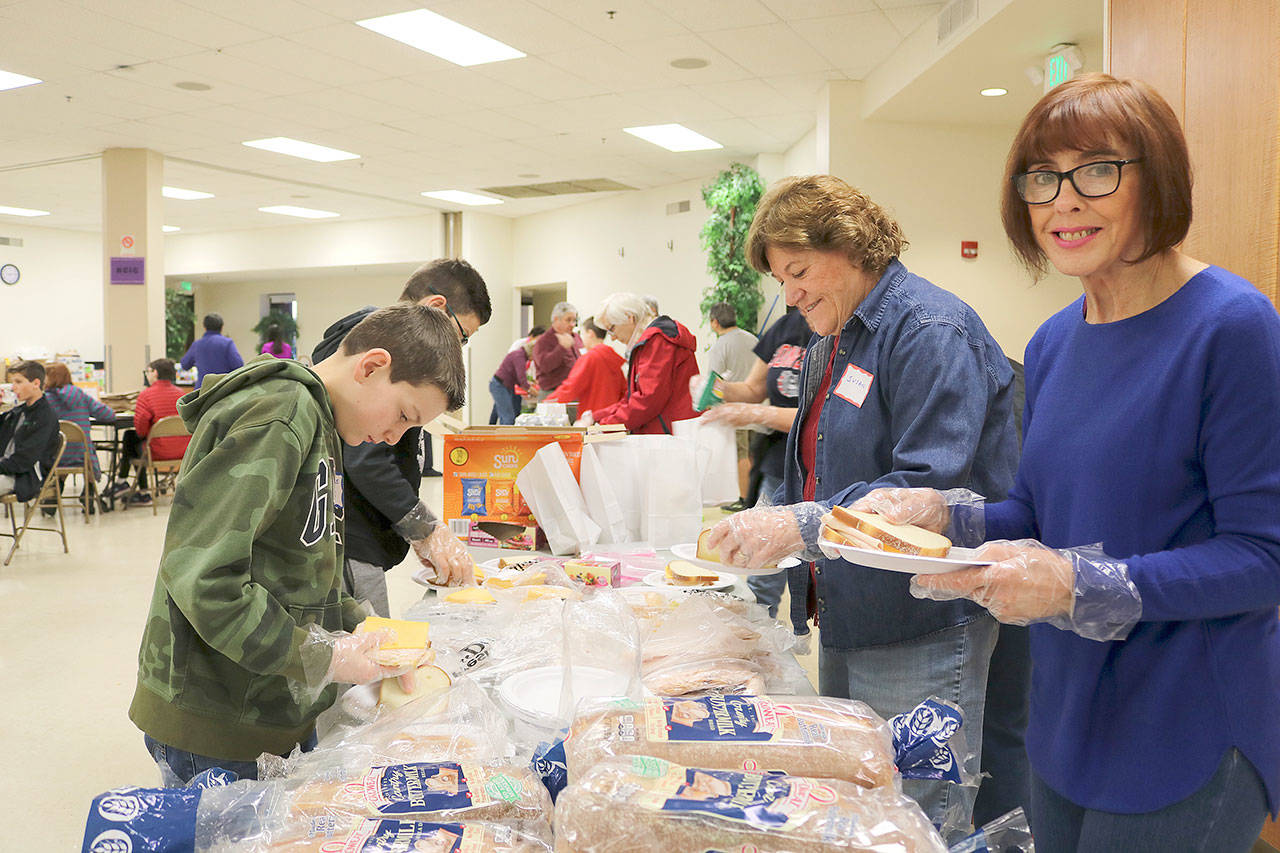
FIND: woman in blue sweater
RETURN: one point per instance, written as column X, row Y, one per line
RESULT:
column 1150, row 428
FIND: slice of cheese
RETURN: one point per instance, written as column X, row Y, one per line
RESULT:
column 508, row 580
column 684, row 573
column 406, row 634
column 470, row 595
column 427, row 680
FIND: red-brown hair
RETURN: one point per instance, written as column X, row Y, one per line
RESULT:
column 1098, row 111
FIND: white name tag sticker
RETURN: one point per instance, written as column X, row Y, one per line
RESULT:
column 854, row 385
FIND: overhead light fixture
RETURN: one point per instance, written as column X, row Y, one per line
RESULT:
column 298, row 148
column 993, row 92
column 441, row 37
column 674, row 137
column 169, row 229
column 10, row 80
column 300, row 212
column 689, row 63
column 462, row 197
column 22, row 211
column 185, row 195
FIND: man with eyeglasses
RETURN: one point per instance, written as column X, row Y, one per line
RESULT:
column 384, row 515
column 555, row 351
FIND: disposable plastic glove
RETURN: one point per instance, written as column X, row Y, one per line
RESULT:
column 354, row 661
column 444, row 552
column 761, row 537
column 586, row 419
column 738, row 414
column 1076, row 589
column 957, row 514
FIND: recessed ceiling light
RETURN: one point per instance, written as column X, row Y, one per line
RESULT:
column 461, row 197
column 300, row 212
column 994, row 92
column 688, row 63
column 298, row 148
column 193, row 86
column 10, row 80
column 441, row 37
column 674, row 137
column 22, row 211
column 528, row 175
column 169, row 229
column 185, row 195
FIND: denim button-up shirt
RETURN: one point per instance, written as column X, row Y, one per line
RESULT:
column 920, row 395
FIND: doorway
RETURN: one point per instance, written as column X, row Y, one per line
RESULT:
column 535, row 304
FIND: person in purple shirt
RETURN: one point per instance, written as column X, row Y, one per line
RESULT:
column 511, row 374
column 1146, row 508
column 213, row 353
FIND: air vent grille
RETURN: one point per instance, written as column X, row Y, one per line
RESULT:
column 10, row 241
column 678, row 207
column 955, row 16
column 585, row 185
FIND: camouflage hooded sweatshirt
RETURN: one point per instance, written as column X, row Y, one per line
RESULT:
column 252, row 554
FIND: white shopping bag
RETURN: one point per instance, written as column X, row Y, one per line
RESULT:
column 548, row 486
column 624, row 459
column 717, row 451
column 602, row 501
column 671, row 492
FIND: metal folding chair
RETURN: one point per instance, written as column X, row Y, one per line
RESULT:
column 72, row 432
column 49, row 496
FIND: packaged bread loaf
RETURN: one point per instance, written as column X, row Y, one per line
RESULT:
column 802, row 735
column 341, row 834
column 638, row 803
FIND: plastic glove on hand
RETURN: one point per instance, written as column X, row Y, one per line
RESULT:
column 757, row 538
column 737, row 414
column 443, row 551
column 925, row 508
column 1028, row 583
column 354, row 659
column 585, row 420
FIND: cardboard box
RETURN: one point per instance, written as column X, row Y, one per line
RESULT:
column 480, row 468
column 595, row 572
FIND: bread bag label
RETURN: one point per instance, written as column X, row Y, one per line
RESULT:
column 396, row 836
column 731, row 718
column 403, row 789
column 769, row 800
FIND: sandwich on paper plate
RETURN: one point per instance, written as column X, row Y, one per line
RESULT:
column 868, row 530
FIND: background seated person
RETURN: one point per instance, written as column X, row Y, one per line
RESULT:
column 28, row 434
column 158, row 400
column 596, row 380
column 74, row 404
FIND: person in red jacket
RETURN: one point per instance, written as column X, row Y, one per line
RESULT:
column 660, row 355
column 596, row 380
column 158, row 400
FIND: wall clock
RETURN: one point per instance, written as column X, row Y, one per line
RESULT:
column 9, row 274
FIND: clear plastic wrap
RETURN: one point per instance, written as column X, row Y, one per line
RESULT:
column 388, row 835
column 1009, row 833
column 803, row 735
column 271, row 815
column 761, row 537
column 337, row 657
column 1076, row 589
column 958, row 514
column 148, row 820
column 641, row 803
column 703, row 675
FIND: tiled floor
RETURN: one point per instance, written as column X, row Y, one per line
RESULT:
column 71, row 625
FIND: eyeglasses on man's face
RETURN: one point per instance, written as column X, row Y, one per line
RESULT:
column 1090, row 180
column 462, row 333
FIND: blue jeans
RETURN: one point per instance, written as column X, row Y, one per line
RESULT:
column 506, row 403
column 768, row 588
column 1224, row 816
column 187, row 765
column 950, row 664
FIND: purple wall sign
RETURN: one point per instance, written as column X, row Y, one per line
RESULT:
column 128, row 270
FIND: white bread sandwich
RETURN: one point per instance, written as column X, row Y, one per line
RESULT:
column 684, row 573
column 868, row 530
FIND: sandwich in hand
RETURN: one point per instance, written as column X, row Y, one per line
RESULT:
column 868, row 530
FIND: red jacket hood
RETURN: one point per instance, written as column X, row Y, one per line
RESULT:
column 675, row 332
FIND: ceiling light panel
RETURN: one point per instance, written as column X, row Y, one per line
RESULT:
column 674, row 137
column 184, row 195
column 11, row 80
column 298, row 148
column 439, row 36
column 462, row 197
column 300, row 212
column 22, row 211
column 169, row 229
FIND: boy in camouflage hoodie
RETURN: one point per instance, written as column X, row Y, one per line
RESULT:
column 252, row 562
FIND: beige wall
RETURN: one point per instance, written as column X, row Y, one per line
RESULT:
column 57, row 303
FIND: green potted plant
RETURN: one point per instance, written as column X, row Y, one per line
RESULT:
column 732, row 198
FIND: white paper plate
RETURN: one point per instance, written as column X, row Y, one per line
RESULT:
column 659, row 579
column 957, row 558
column 689, row 551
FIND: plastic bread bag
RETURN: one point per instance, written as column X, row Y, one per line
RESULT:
column 149, row 820
column 701, row 676
column 639, row 803
column 460, row 723
column 1009, row 833
column 254, row 814
column 338, row 833
column 802, row 735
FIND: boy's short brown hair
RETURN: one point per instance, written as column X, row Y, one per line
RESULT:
column 1097, row 112
column 454, row 279
column 32, row 371
column 423, row 344
column 165, row 369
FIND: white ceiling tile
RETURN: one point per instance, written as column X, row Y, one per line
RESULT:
column 898, row 4
column 798, row 10
column 472, row 88
column 494, row 125
column 679, row 104
column 657, row 55
column 557, row 117
column 402, row 96
column 609, row 67
column 631, row 21
column 521, row 24
column 768, row 50
column 906, row 19
column 177, row 20
column 304, row 61
column 352, row 10
column 788, row 127
column 61, row 20
column 706, row 15
column 348, row 103
column 803, row 90
column 294, row 110
column 853, row 43
column 541, row 78
column 747, row 98
column 275, row 16
column 212, row 67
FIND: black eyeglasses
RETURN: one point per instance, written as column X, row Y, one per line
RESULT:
column 1091, row 180
column 462, row 333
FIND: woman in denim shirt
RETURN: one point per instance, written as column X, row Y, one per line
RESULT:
column 903, row 386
